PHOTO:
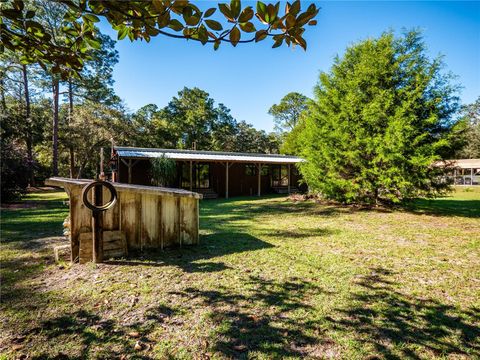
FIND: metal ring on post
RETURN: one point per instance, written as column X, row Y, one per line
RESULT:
column 108, row 205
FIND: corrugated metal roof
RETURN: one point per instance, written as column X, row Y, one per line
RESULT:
column 466, row 163
column 198, row 155
column 460, row 163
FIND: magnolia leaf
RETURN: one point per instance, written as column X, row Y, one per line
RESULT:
column 122, row 33
column 235, row 7
column 277, row 43
column 312, row 22
column 158, row 5
column 192, row 20
column 202, row 34
column 261, row 8
column 246, row 15
column 214, row 25
column 290, row 21
column 163, row 20
column 301, row 41
column 91, row 18
column 209, row 12
column 216, row 45
column 175, row 25
column 247, row 27
column 225, row 10
column 260, row 35
column 295, row 8
column 235, row 36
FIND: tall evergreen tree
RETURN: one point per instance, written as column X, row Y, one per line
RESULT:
column 379, row 121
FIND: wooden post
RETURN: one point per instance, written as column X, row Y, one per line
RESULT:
column 191, row 175
column 97, row 227
column 102, row 173
column 288, row 166
column 259, row 179
column 226, row 181
column 129, row 171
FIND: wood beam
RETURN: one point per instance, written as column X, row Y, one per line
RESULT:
column 191, row 175
column 259, row 179
column 226, row 180
column 130, row 171
column 288, row 178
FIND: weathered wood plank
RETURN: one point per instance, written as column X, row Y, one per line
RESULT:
column 169, row 222
column 128, row 222
column 146, row 219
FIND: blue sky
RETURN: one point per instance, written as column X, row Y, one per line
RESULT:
column 251, row 77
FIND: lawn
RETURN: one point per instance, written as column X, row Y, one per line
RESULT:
column 271, row 279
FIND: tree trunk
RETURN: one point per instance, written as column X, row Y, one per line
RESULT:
column 70, row 114
column 2, row 89
column 56, row 92
column 28, row 126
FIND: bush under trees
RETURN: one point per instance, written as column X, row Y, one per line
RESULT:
column 380, row 118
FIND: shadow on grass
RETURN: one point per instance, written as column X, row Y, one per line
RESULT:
column 445, row 207
column 264, row 320
column 401, row 326
column 100, row 338
column 192, row 258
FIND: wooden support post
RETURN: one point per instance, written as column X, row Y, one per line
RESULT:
column 226, row 180
column 129, row 171
column 191, row 175
column 259, row 179
column 288, row 166
column 97, row 226
column 471, row 176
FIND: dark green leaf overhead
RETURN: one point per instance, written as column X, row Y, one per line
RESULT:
column 22, row 33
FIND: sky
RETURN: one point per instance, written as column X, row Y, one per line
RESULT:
column 250, row 78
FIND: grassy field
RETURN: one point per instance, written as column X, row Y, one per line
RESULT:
column 271, row 279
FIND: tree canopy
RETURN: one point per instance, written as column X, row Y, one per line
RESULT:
column 191, row 119
column 380, row 118
column 468, row 131
column 21, row 30
column 288, row 112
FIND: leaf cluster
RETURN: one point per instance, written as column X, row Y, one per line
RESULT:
column 22, row 32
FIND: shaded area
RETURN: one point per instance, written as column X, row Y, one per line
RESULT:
column 91, row 332
column 401, row 326
column 267, row 319
column 445, row 207
column 192, row 258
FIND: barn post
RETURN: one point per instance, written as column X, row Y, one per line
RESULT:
column 129, row 171
column 191, row 175
column 259, row 179
column 288, row 166
column 226, row 180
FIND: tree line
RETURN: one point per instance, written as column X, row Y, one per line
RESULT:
column 51, row 126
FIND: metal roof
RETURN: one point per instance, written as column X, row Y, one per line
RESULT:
column 199, row 155
column 463, row 163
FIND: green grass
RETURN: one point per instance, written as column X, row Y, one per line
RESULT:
column 271, row 279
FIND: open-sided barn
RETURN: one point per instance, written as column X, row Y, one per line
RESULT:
column 213, row 173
